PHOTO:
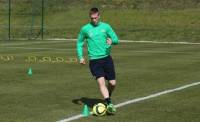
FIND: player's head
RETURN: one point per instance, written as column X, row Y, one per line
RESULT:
column 94, row 15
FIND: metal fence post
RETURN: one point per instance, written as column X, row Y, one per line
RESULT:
column 42, row 29
column 9, row 19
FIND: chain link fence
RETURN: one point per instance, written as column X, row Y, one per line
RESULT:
column 21, row 19
column 38, row 19
column 4, row 19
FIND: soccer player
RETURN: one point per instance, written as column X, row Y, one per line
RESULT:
column 99, row 37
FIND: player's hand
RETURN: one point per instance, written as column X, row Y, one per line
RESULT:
column 109, row 41
column 82, row 61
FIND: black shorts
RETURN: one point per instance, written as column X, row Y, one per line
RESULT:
column 103, row 67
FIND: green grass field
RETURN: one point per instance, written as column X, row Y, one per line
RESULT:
column 58, row 82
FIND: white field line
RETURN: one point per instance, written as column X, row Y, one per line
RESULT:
column 58, row 49
column 35, row 42
column 61, row 40
column 39, row 48
column 159, row 51
column 137, row 100
column 132, row 41
column 158, row 42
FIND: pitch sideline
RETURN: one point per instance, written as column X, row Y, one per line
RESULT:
column 61, row 40
column 137, row 100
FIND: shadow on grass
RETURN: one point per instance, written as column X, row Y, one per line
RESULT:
column 88, row 101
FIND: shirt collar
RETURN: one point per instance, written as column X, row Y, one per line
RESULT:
column 95, row 25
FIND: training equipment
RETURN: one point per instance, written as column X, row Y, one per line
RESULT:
column 85, row 111
column 99, row 109
column 30, row 71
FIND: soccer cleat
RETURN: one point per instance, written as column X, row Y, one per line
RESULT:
column 111, row 109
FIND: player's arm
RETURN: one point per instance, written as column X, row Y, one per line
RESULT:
column 113, row 39
column 79, row 46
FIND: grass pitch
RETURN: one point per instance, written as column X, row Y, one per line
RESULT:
column 58, row 82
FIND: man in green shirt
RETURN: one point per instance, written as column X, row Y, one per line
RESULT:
column 99, row 37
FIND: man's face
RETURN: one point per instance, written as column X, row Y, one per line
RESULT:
column 95, row 18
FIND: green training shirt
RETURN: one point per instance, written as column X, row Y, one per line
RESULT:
column 96, row 36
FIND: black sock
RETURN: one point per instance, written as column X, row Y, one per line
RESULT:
column 110, row 93
column 108, row 100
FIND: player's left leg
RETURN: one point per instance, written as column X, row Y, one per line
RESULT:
column 110, row 76
column 111, row 86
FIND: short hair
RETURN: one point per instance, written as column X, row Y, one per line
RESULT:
column 94, row 10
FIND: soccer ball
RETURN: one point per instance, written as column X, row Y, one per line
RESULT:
column 99, row 109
